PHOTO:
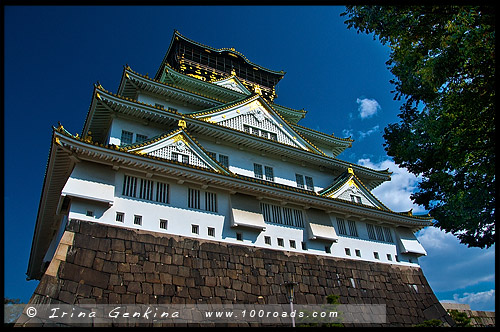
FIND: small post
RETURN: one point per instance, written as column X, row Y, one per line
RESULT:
column 290, row 292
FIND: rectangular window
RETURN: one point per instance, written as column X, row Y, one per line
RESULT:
column 193, row 198
column 292, row 244
column 298, row 218
column 282, row 215
column 257, row 170
column 182, row 158
column 246, row 128
column 140, row 138
column 273, row 136
column 137, row 220
column 352, row 228
column 389, row 257
column 129, row 186
column 281, row 242
column 120, row 216
column 347, row 251
column 267, row 240
column 304, row 246
column 375, row 255
column 328, row 250
column 126, row 137
column 211, row 231
column 163, row 223
column 358, row 252
column 211, row 202
column 309, row 183
column 269, row 173
column 300, row 180
column 89, row 213
column 380, row 233
column 162, row 192
column 146, row 189
column 224, row 160
column 239, row 236
column 195, row 229
column 212, row 155
column 287, row 216
column 341, row 226
column 371, row 232
column 388, row 235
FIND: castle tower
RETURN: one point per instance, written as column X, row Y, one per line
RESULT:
column 195, row 187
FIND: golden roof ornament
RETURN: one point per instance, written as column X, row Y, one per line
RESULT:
column 182, row 123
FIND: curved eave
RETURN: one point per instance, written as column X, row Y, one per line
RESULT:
column 112, row 155
column 59, row 166
column 290, row 114
column 132, row 82
column 103, row 109
column 336, row 144
column 218, row 50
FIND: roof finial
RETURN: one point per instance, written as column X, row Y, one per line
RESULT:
column 350, row 170
column 182, row 123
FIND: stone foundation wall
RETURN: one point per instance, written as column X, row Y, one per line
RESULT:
column 100, row 264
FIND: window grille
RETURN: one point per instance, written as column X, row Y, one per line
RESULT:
column 280, row 242
column 353, row 231
column 300, row 180
column 224, row 160
column 282, row 215
column 195, row 229
column 129, row 186
column 193, row 198
column 371, row 232
column 309, row 183
column 380, row 233
column 388, row 235
column 292, row 244
column 137, row 220
column 162, row 192
column 211, row 231
column 126, row 137
column 163, row 223
column 211, row 201
column 269, row 173
column 267, row 240
column 257, row 169
column 212, row 155
column 120, row 216
column 341, row 226
column 146, row 189
column 140, row 138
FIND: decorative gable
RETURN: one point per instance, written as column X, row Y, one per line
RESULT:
column 349, row 187
column 234, row 84
column 254, row 116
column 178, row 146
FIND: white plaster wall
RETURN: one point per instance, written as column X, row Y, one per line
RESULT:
column 180, row 218
column 241, row 162
column 118, row 124
column 152, row 100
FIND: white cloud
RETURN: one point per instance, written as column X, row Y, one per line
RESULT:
column 395, row 194
column 367, row 133
column 347, row 133
column 449, row 267
column 367, row 107
column 478, row 297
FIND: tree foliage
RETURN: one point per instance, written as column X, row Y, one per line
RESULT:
column 443, row 62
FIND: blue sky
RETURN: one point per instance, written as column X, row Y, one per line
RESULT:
column 53, row 55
